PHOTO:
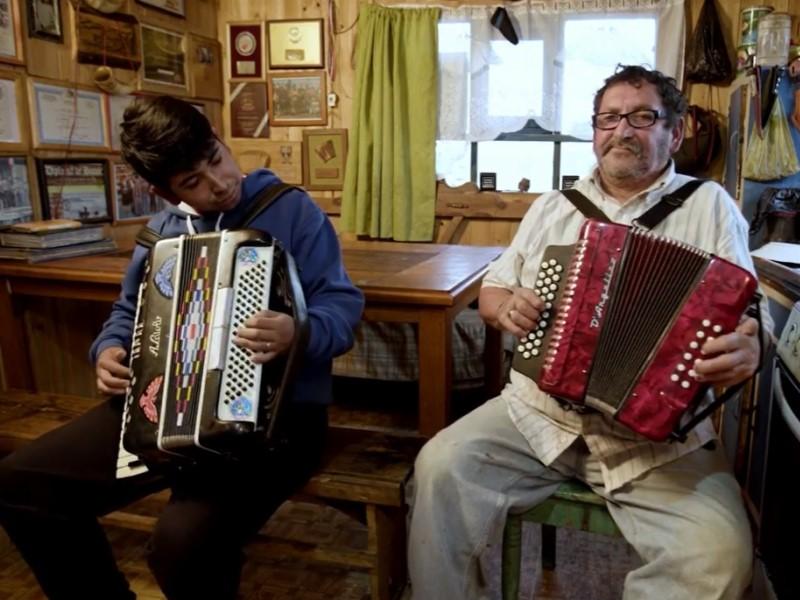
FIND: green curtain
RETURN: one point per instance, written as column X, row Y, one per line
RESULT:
column 390, row 182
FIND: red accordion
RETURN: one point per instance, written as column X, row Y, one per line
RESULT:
column 627, row 312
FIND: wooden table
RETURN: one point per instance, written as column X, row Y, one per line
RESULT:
column 424, row 284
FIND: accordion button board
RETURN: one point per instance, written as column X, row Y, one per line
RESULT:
column 628, row 320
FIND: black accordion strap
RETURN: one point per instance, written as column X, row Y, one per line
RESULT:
column 649, row 219
column 262, row 202
column 679, row 435
column 585, row 206
column 147, row 236
column 668, row 203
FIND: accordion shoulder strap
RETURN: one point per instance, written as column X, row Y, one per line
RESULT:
column 668, row 203
column 649, row 219
column 585, row 206
column 148, row 236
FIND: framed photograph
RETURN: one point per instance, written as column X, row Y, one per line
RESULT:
column 205, row 68
column 248, row 104
column 173, row 7
column 324, row 158
column 15, row 191
column 67, row 116
column 246, row 50
column 163, row 56
column 298, row 98
column 74, row 188
column 133, row 200
column 44, row 19
column 296, row 44
column 282, row 157
column 108, row 39
column 10, row 130
column 10, row 33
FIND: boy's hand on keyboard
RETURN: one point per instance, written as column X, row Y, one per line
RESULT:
column 113, row 374
column 267, row 334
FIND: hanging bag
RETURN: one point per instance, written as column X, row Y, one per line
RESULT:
column 707, row 59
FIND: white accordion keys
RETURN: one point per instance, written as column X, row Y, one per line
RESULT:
column 241, row 378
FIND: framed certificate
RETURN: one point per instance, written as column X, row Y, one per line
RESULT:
column 133, row 198
column 205, row 68
column 248, row 104
column 298, row 98
column 73, row 188
column 116, row 110
column 67, row 116
column 10, row 33
column 163, row 56
column 246, row 50
column 324, row 158
column 15, row 190
column 173, row 7
column 295, row 44
column 10, row 129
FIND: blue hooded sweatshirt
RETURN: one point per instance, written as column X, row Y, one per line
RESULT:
column 334, row 303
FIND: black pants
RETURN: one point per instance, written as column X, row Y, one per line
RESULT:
column 53, row 490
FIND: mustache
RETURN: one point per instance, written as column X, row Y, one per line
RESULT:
column 630, row 145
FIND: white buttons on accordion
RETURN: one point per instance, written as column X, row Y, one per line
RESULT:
column 546, row 286
column 692, row 354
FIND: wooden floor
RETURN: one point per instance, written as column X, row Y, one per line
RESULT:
column 589, row 567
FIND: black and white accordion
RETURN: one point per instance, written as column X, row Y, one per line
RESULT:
column 193, row 392
column 626, row 315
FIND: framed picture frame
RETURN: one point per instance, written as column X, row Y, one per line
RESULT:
column 16, row 192
column 296, row 44
column 248, row 109
column 282, row 157
column 163, row 57
column 108, row 39
column 44, row 20
column 133, row 199
column 324, row 158
column 298, row 98
column 10, row 33
column 205, row 68
column 116, row 110
column 65, row 117
column 13, row 126
column 74, row 188
column 173, row 7
column 246, row 50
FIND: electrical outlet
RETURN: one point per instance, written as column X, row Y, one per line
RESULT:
column 332, row 100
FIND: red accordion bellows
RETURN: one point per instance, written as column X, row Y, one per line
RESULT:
column 627, row 314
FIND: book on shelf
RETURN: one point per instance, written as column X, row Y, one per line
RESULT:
column 35, row 255
column 50, row 238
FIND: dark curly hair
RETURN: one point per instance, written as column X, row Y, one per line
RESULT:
column 673, row 99
column 164, row 136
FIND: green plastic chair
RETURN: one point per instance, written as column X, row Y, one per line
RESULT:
column 573, row 505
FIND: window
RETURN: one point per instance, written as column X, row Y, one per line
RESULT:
column 546, row 83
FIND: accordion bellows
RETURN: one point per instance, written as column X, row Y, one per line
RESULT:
column 193, row 391
column 627, row 312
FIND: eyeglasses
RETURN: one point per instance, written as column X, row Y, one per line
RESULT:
column 638, row 119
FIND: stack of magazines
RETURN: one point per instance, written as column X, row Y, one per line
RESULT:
column 37, row 241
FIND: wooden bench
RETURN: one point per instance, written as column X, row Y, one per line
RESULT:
column 363, row 473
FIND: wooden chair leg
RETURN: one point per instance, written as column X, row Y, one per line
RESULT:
column 512, row 557
column 387, row 539
column 548, row 547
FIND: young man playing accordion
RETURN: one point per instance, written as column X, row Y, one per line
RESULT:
column 53, row 490
column 678, row 504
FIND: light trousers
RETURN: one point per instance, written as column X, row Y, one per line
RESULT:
column 685, row 519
